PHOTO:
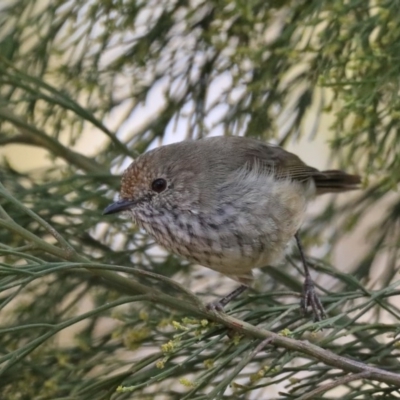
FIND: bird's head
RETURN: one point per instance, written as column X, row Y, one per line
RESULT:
column 156, row 181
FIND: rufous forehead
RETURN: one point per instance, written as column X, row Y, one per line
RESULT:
column 136, row 178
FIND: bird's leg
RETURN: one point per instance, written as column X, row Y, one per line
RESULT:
column 219, row 305
column 310, row 297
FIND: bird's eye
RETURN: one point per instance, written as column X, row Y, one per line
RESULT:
column 159, row 185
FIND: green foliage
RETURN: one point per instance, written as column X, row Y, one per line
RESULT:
column 70, row 326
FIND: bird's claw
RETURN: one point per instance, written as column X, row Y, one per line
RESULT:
column 311, row 299
column 215, row 306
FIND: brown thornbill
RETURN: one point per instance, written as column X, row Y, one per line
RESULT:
column 228, row 203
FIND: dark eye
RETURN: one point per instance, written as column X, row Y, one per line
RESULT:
column 159, row 185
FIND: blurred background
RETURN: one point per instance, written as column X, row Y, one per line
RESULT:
column 86, row 86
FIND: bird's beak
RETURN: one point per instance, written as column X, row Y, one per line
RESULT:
column 118, row 206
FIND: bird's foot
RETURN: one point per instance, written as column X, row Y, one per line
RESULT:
column 215, row 306
column 311, row 299
column 219, row 305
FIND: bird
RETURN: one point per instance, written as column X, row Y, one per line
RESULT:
column 228, row 203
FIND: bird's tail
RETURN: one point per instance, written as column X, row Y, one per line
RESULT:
column 335, row 181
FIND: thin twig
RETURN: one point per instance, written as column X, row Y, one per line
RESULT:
column 312, row 350
column 337, row 382
column 64, row 244
column 245, row 361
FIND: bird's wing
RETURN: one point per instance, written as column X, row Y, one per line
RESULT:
column 276, row 160
column 285, row 165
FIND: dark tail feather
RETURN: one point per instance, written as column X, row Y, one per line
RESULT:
column 336, row 181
